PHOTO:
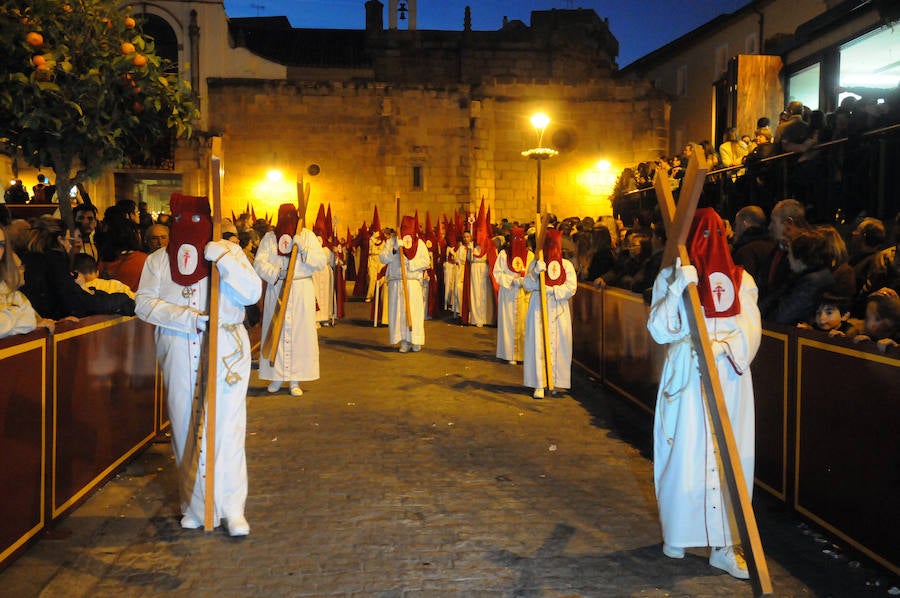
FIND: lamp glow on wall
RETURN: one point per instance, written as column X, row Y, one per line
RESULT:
column 270, row 191
column 598, row 182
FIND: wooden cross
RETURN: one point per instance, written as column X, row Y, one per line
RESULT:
column 677, row 221
column 212, row 340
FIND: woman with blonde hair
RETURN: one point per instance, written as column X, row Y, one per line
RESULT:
column 16, row 314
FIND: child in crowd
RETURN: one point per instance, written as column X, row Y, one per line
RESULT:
column 88, row 277
column 832, row 316
column 882, row 323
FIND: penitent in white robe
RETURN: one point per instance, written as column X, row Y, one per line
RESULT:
column 512, row 306
column 323, row 282
column 376, row 244
column 481, row 289
column 450, row 289
column 560, row 328
column 689, row 485
column 297, row 358
column 398, row 330
column 173, row 309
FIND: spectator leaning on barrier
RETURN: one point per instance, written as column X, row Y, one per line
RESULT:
column 17, row 316
column 810, row 278
column 49, row 283
column 882, row 321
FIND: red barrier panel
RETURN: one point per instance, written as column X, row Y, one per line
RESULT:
column 104, row 398
column 23, row 425
column 74, row 406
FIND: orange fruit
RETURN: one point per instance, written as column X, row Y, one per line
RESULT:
column 138, row 107
column 38, row 60
column 35, row 39
column 129, row 23
column 127, row 48
column 140, row 60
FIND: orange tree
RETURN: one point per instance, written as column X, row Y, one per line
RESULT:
column 80, row 86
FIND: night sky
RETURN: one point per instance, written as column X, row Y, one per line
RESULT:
column 641, row 26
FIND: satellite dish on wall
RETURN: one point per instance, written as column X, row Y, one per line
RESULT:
column 313, row 169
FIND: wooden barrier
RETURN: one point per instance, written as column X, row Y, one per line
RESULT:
column 23, row 445
column 75, row 406
column 826, row 414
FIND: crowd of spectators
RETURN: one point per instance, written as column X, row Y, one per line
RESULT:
column 832, row 182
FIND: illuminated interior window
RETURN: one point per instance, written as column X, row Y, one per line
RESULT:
column 871, row 64
column 803, row 86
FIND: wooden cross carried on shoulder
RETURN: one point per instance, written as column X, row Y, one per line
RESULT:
column 677, row 220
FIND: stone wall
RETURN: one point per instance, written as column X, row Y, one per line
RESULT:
column 366, row 138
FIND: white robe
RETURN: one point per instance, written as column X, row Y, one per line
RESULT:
column 560, row 328
column 163, row 303
column 297, row 357
column 323, row 282
column 512, row 305
column 398, row 330
column 450, row 289
column 376, row 244
column 689, row 487
column 481, row 289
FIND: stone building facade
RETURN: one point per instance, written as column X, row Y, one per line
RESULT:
column 438, row 117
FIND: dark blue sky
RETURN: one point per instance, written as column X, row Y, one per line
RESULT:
column 641, row 26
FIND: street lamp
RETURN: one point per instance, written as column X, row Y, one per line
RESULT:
column 540, row 153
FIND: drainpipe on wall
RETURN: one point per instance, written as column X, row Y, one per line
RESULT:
column 762, row 24
column 194, row 34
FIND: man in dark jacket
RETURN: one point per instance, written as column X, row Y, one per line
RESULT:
column 753, row 246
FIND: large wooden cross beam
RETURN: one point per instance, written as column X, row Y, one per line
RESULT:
column 212, row 344
column 677, row 220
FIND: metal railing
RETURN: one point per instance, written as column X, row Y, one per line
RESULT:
column 846, row 177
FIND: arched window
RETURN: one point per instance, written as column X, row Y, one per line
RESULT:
column 163, row 36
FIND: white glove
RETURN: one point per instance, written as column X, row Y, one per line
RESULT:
column 520, row 281
column 684, row 275
column 215, row 250
column 200, row 321
column 540, row 266
column 282, row 274
column 298, row 241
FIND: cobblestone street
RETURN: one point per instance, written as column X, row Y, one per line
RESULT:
column 419, row 474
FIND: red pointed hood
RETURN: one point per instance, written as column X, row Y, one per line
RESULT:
column 191, row 230
column 517, row 252
column 409, row 236
column 286, row 227
column 719, row 279
column 375, row 227
column 481, row 232
column 329, row 225
column 556, row 273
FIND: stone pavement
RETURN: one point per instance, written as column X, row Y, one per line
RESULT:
column 420, row 474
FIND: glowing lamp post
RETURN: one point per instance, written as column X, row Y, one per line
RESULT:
column 540, row 153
